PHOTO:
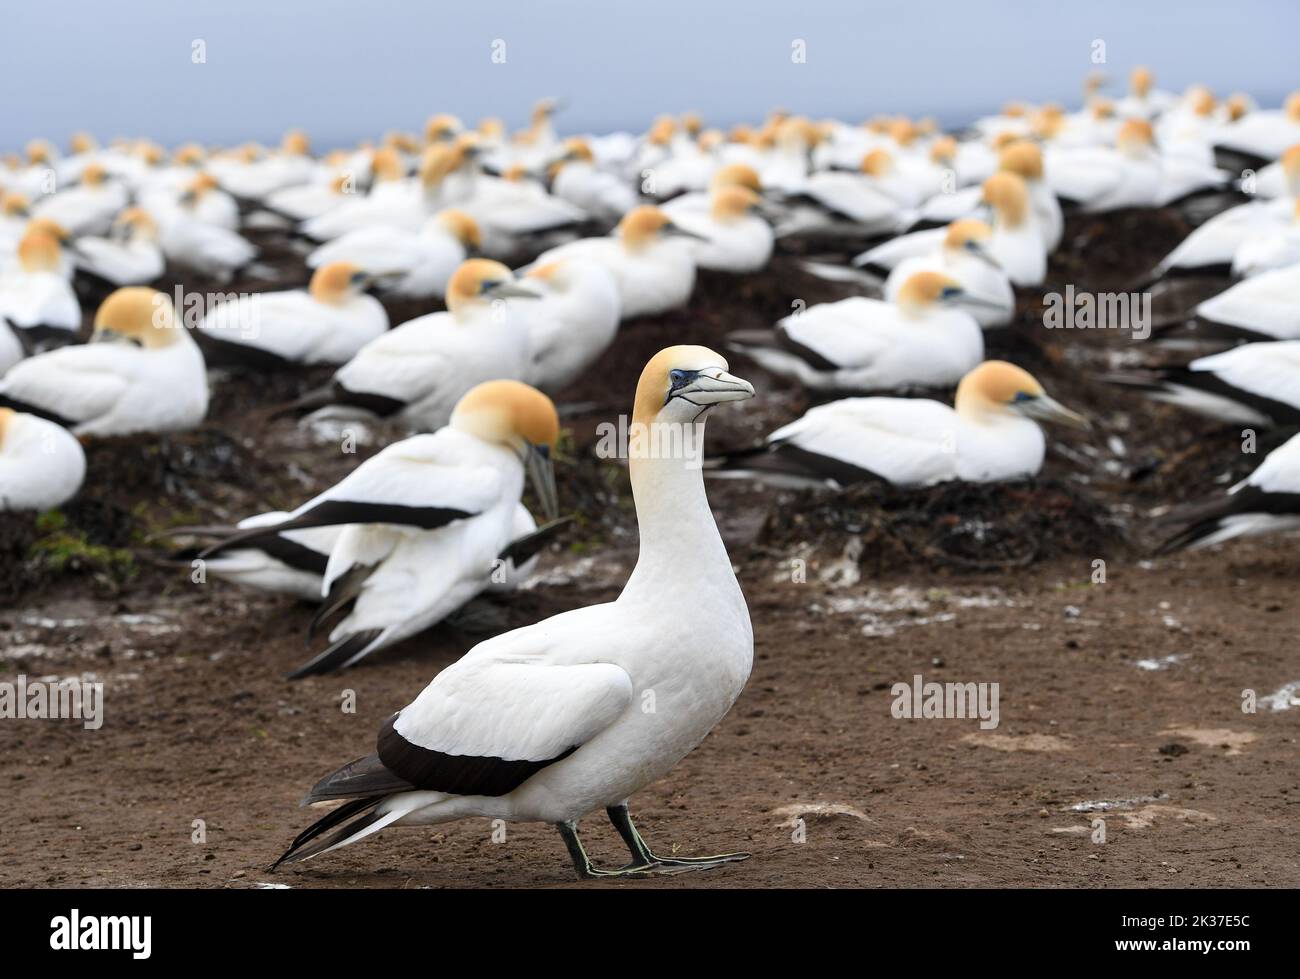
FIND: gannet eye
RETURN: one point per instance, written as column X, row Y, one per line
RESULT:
column 950, row 292
column 677, row 378
column 1024, row 396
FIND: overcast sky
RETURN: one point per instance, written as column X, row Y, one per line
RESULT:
column 346, row 70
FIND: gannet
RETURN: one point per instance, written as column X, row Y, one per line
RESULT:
column 427, row 519
column 572, row 323
column 393, row 201
column 732, row 237
column 855, row 204
column 576, row 178
column 927, row 338
column 130, row 256
column 652, row 265
column 199, row 196
column 326, row 323
column 1262, row 307
column 1264, row 134
column 417, row 371
column 1266, row 501
column 1253, row 384
column 1017, row 242
column 991, row 436
column 15, row 212
column 1268, row 249
column 190, row 240
column 89, row 207
column 36, row 299
column 407, row 264
column 41, row 463
column 962, row 253
column 141, row 372
column 1143, row 101
column 701, row 202
column 548, row 723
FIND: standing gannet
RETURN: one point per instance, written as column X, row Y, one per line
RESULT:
column 991, row 436
column 573, row 322
column 417, row 371
column 1263, row 307
column 326, row 323
column 1266, row 501
column 926, row 338
column 548, row 723
column 1253, row 384
column 427, row 520
column 652, row 265
column 733, row 237
column 962, row 253
column 36, row 300
column 407, row 264
column 140, row 372
column 89, row 207
column 130, row 256
column 41, row 463
column 1016, row 243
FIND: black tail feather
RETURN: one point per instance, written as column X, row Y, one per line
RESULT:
column 336, row 655
column 298, row 849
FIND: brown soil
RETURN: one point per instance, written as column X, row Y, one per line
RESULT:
column 849, row 595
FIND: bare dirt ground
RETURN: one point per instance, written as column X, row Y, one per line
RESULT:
column 1120, row 701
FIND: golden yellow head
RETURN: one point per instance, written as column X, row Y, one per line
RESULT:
column 943, row 151
column 492, row 128
column 189, row 155
column 692, row 123
column 6, row 419
column 1291, row 163
column 1007, row 194
column 296, row 143
column 83, row 143
column 1237, row 105
column 52, row 228
column 508, row 413
column 642, row 225
column 737, row 174
column 1201, row 100
column 903, row 132
column 577, row 148
column 922, row 290
column 462, row 227
column 441, row 127
column 1139, row 81
column 14, row 205
column 39, row 151
column 1102, row 109
column 138, row 223
column 734, row 202
column 334, row 283
column 1022, row 158
column 994, row 384
column 38, row 250
column 93, row 175
column 386, row 164
column 1135, row 136
column 661, row 132
column 472, row 284
column 877, row 163
column 692, row 376
column 1292, row 106
column 962, row 233
column 140, row 314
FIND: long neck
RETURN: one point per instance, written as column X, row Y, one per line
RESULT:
column 680, row 543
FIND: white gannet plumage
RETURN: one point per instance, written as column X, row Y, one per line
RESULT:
column 41, row 464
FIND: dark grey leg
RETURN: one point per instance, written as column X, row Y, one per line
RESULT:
column 582, row 863
column 643, row 858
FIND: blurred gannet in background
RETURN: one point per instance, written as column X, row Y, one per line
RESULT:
column 573, row 322
column 302, row 202
column 199, row 197
column 427, row 518
column 41, row 463
column 326, row 323
column 130, row 256
column 190, row 239
column 1253, row 384
column 1266, row 501
column 417, row 371
column 653, row 267
column 1264, row 134
column 732, row 237
column 701, row 202
column 1017, row 242
column 545, row 723
column 406, row 264
column 1267, row 250
column 991, row 436
column 839, row 203
column 89, row 207
column 1143, row 101
column 140, row 372
column 575, row 178
column 36, row 299
column 927, row 338
column 290, row 166
column 1263, row 307
column 962, row 253
column 15, row 212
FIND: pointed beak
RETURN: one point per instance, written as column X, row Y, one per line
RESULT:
column 714, row 386
column 1047, row 409
column 541, row 473
column 671, row 230
column 512, row 289
column 983, row 254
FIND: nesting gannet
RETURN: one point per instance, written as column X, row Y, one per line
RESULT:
column 576, row 178
column 406, row 264
column 41, row 463
column 1253, row 384
column 547, row 723
column 729, row 175
column 962, row 253
column 427, row 520
column 572, row 323
column 15, row 212
column 1016, row 243
column 36, row 299
column 189, row 240
column 991, row 436
column 1144, row 101
column 89, row 207
column 1270, row 249
column 927, row 338
column 130, row 256
column 843, row 203
column 733, row 237
column 141, row 372
column 654, row 268
column 326, row 323
column 1266, row 501
column 417, row 371
column 199, row 197
column 1263, row 307
column 1264, row 134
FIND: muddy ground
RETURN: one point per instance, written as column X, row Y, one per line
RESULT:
column 1119, row 700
